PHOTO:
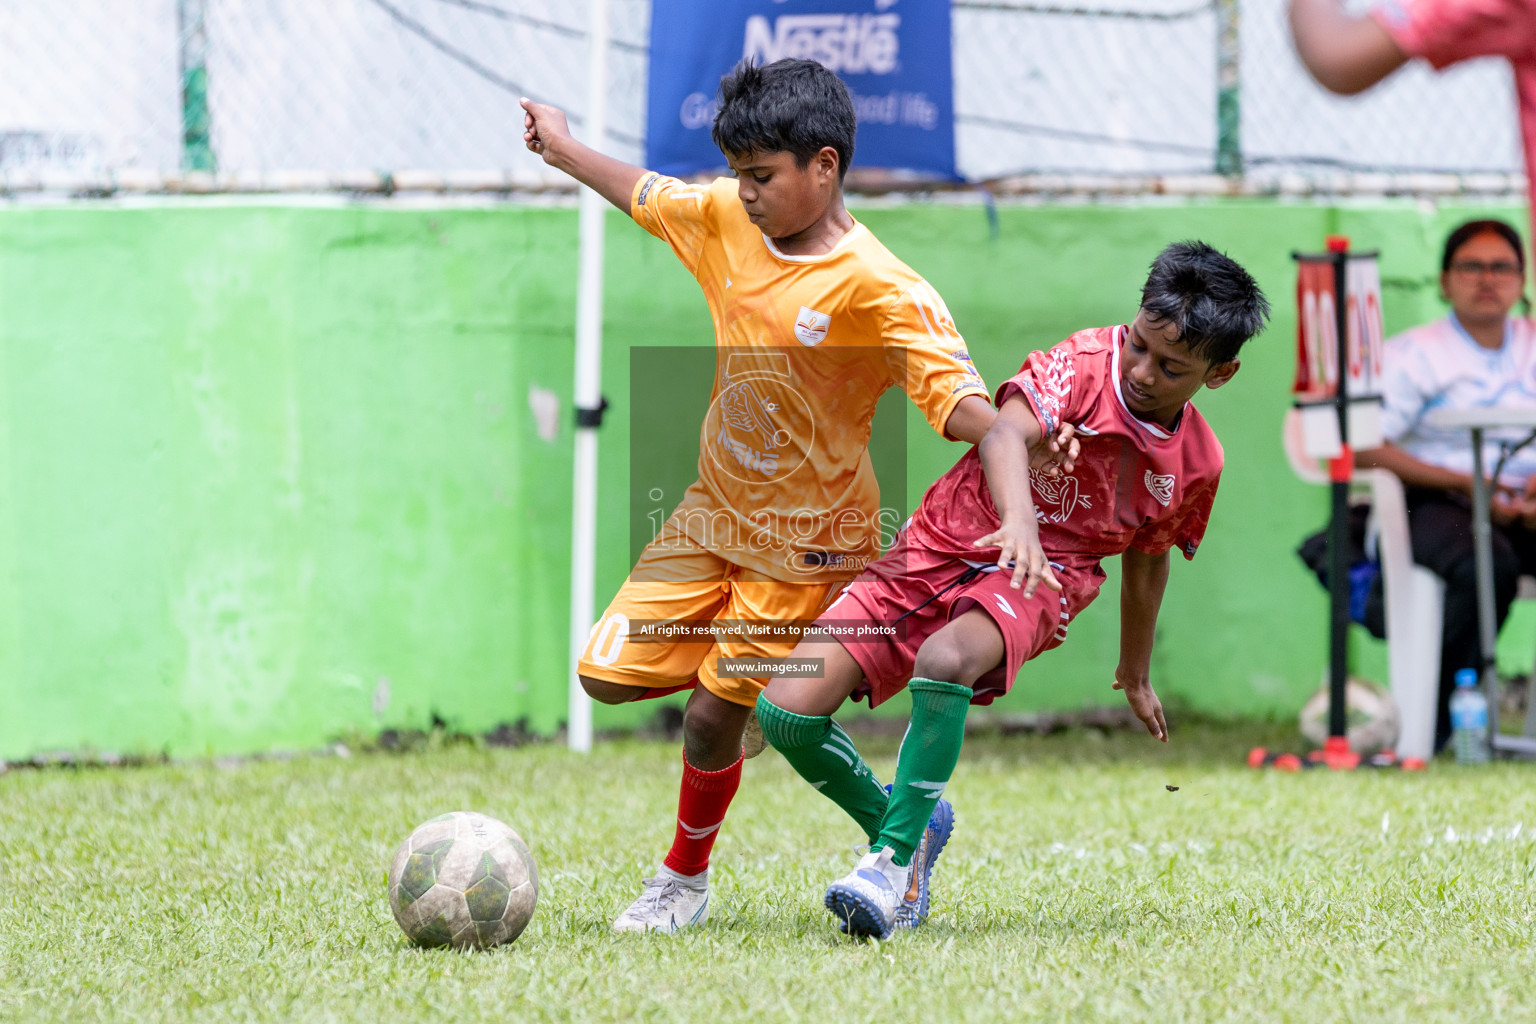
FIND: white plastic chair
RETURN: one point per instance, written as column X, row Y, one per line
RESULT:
column 1415, row 596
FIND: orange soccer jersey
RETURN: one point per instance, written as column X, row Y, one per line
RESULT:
column 805, row 347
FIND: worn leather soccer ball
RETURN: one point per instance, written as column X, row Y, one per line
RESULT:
column 464, row 880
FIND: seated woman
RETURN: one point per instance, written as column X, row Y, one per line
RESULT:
column 1476, row 357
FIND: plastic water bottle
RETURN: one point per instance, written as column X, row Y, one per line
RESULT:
column 1469, row 719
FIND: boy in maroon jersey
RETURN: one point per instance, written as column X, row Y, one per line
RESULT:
column 998, row 559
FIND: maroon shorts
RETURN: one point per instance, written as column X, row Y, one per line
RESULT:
column 903, row 598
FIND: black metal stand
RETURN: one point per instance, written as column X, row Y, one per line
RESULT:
column 1338, row 525
column 1341, row 469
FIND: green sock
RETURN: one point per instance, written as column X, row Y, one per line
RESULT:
column 824, row 755
column 927, row 760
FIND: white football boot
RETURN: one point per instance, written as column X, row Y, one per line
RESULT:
column 866, row 900
column 670, row 902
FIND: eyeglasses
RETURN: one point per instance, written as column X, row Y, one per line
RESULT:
column 1477, row 268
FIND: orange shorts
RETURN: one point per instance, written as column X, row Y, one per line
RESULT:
column 684, row 608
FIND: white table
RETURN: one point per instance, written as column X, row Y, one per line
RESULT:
column 1477, row 421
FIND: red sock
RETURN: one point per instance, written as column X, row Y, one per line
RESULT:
column 701, row 807
column 663, row 691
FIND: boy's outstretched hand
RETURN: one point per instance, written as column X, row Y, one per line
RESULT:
column 1144, row 702
column 543, row 125
column 547, row 133
column 1056, row 454
column 1020, row 544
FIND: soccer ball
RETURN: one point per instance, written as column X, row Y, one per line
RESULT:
column 1370, row 716
column 463, row 880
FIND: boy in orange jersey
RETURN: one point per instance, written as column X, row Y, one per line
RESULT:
column 814, row 318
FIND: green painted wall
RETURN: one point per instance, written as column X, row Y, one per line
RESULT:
column 272, row 474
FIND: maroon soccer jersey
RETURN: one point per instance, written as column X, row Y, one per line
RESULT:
column 1135, row 484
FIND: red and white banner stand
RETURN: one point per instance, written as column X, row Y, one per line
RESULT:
column 1338, row 391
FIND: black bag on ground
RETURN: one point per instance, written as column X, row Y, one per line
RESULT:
column 1367, row 600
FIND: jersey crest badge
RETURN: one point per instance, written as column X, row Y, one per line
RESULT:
column 811, row 326
column 1160, row 486
column 1056, row 498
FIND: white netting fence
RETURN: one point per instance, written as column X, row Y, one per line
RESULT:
column 105, row 95
column 1132, row 89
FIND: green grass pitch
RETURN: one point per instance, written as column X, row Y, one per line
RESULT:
column 1077, row 887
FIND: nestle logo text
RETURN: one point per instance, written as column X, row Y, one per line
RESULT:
column 854, row 44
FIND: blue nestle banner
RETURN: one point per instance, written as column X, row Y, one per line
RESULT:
column 892, row 54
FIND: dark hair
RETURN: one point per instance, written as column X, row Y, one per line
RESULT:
column 792, row 105
column 1471, row 229
column 1213, row 301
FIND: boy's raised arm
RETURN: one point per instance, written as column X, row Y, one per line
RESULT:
column 1142, row 580
column 971, row 419
column 1005, row 454
column 1054, row 455
column 546, row 133
column 1346, row 53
